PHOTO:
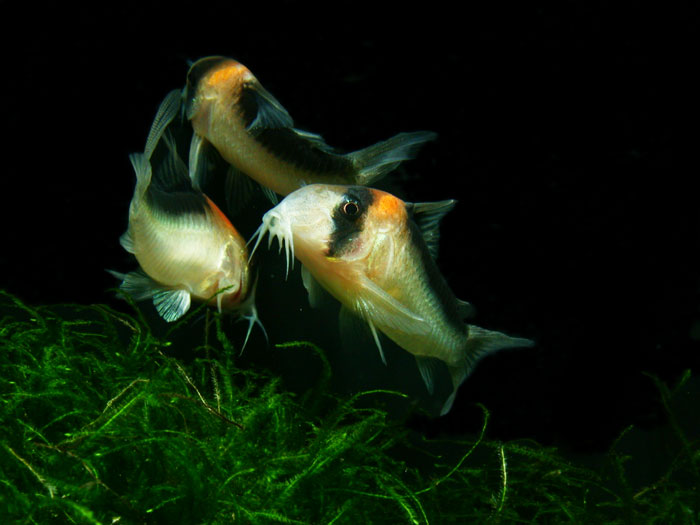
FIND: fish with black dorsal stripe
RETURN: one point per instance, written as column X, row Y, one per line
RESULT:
column 375, row 254
column 229, row 108
column 186, row 247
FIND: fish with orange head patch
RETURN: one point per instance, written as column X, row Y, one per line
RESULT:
column 229, row 108
column 185, row 245
column 375, row 254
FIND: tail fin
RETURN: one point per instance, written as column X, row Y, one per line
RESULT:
column 376, row 161
column 480, row 343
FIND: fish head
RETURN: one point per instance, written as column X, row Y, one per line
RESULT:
column 228, row 286
column 333, row 224
column 213, row 78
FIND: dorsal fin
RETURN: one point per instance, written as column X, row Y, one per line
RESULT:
column 269, row 113
column 427, row 216
column 170, row 189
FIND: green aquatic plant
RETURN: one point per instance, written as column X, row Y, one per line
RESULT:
column 100, row 422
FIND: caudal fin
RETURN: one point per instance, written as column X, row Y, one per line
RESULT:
column 376, row 161
column 480, row 343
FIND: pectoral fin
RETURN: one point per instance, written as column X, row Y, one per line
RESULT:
column 239, row 190
column 198, row 165
column 172, row 304
column 374, row 304
column 317, row 294
column 271, row 195
column 353, row 328
column 167, row 111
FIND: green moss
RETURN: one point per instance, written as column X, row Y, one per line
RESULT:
column 99, row 423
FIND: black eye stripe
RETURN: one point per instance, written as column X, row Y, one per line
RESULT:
column 348, row 219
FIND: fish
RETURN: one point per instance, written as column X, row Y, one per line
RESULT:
column 229, row 109
column 186, row 247
column 375, row 254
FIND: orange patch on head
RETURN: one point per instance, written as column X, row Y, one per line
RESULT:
column 386, row 206
column 227, row 73
column 216, row 211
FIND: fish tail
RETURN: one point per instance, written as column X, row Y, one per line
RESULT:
column 480, row 343
column 379, row 159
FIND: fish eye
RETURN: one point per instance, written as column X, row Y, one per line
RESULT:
column 351, row 208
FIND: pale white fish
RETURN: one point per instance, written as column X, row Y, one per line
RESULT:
column 375, row 254
column 187, row 249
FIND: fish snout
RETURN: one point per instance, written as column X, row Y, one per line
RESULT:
column 275, row 225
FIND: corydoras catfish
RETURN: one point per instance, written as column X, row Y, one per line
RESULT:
column 230, row 109
column 186, row 247
column 375, row 254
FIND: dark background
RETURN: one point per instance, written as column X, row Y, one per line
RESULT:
column 574, row 227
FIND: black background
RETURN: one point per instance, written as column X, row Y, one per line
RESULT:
column 556, row 131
